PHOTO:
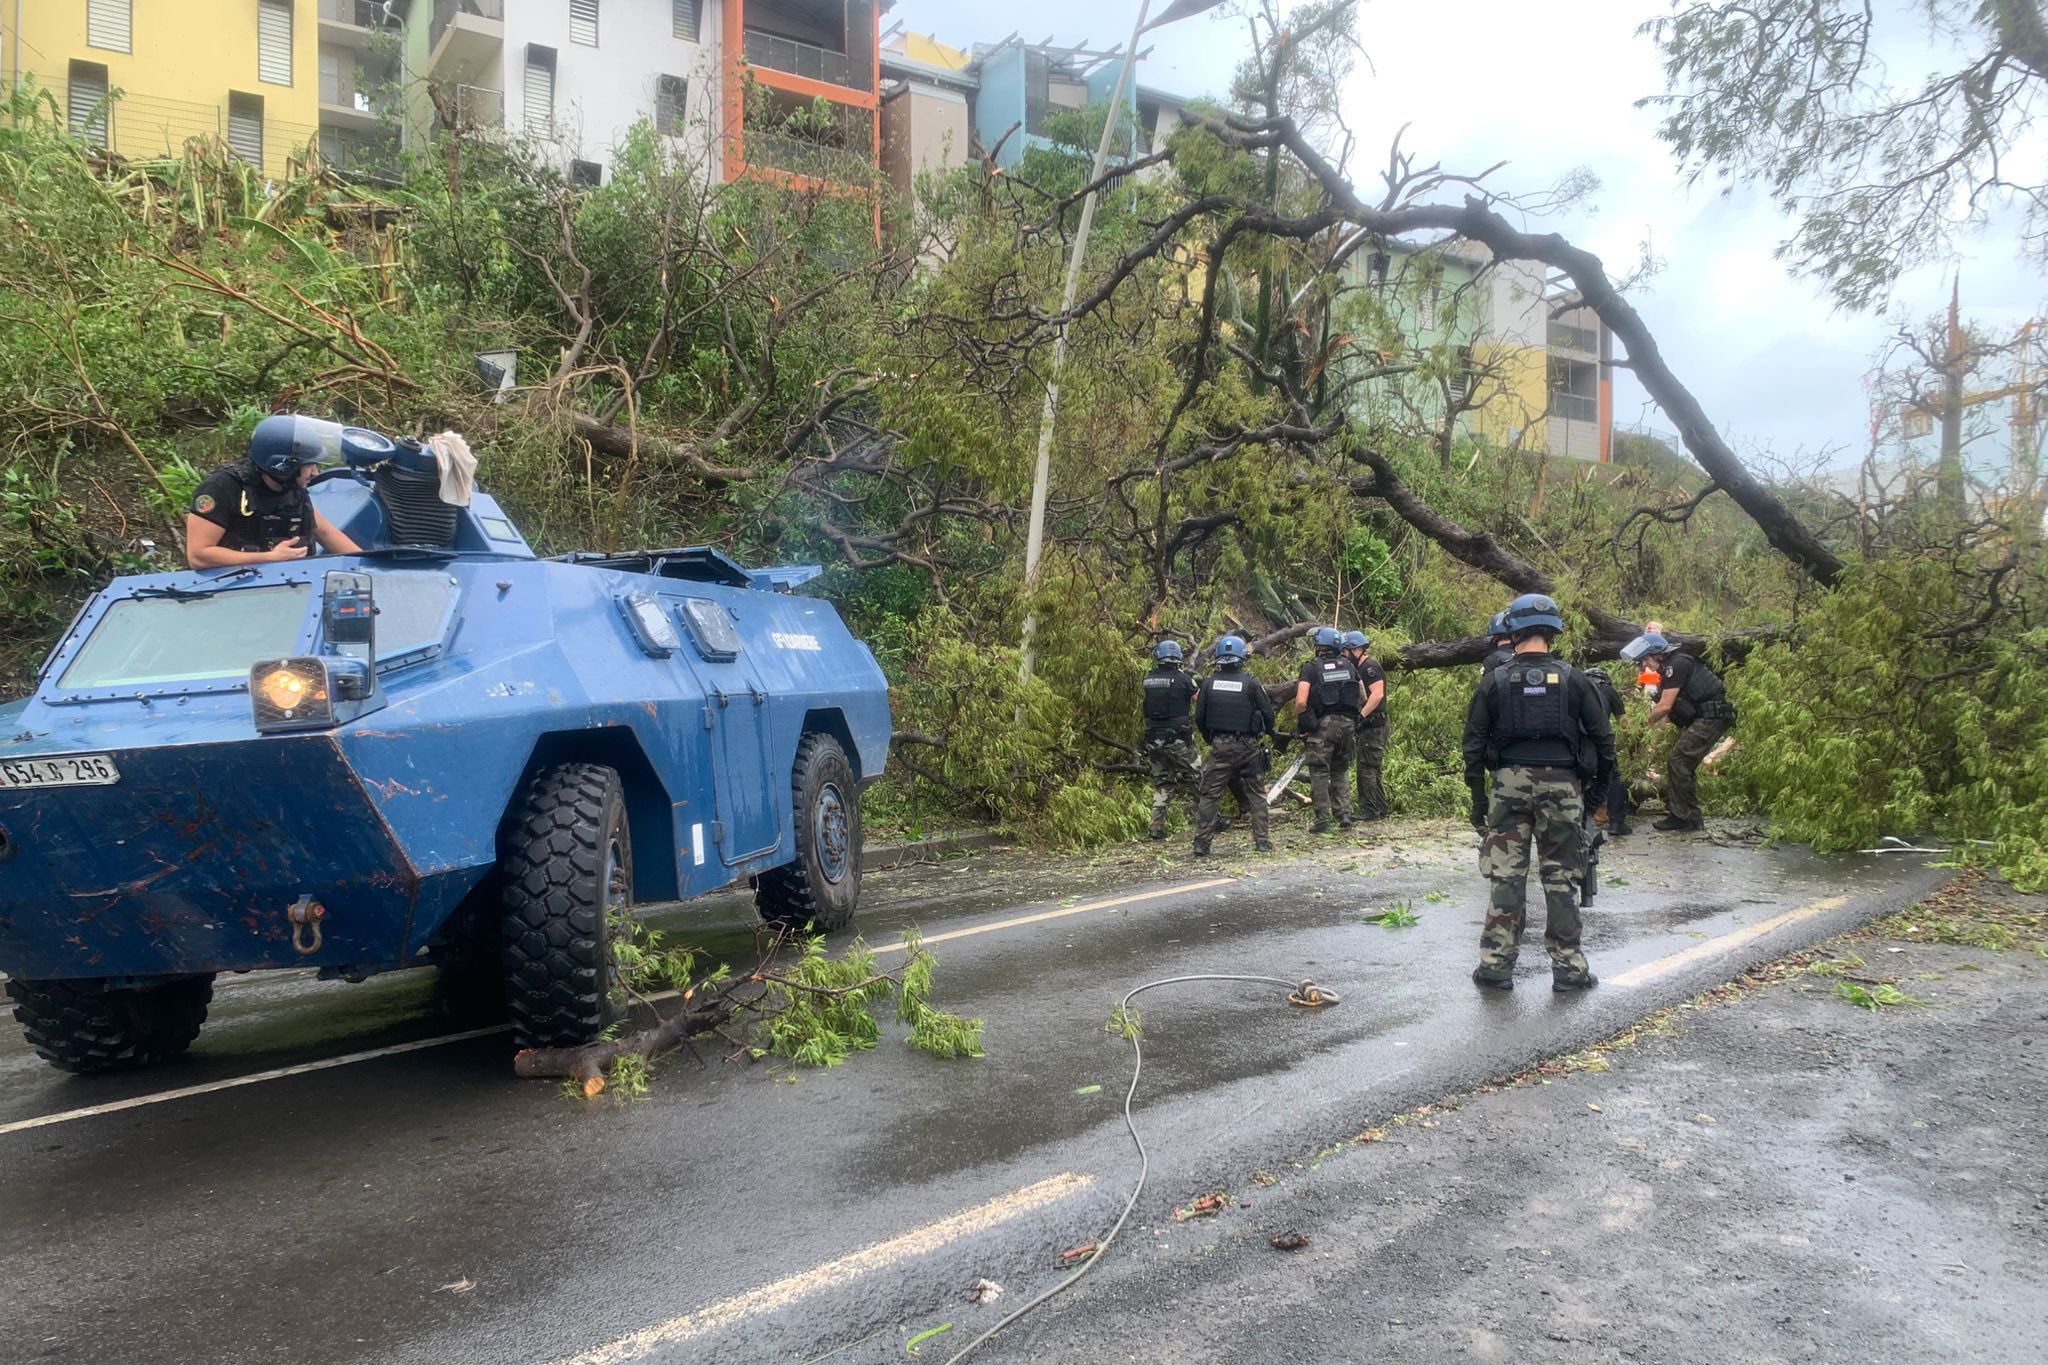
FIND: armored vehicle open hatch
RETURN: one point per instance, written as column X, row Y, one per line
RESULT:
column 441, row 750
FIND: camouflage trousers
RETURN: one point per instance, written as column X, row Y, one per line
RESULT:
column 1232, row 759
column 1328, row 749
column 1682, row 778
column 1542, row 805
column 1175, row 767
column 1372, row 752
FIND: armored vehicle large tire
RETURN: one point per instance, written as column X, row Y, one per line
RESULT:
column 821, row 888
column 568, row 869
column 83, row 1026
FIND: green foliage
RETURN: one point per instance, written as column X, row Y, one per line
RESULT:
column 1125, row 1022
column 1399, row 915
column 1874, row 998
column 1885, row 720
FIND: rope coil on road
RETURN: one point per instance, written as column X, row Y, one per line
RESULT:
column 1305, row 994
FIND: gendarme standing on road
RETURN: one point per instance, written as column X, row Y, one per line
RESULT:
column 1169, row 746
column 1540, row 726
column 1233, row 713
column 1327, row 700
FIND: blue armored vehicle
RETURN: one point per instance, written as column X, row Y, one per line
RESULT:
column 441, row 750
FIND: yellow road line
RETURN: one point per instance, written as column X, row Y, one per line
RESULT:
column 1714, row 947
column 1045, row 915
column 833, row 1274
column 253, row 1078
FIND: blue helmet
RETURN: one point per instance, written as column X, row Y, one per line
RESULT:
column 1230, row 650
column 1355, row 639
column 1498, row 626
column 1531, row 611
column 1647, row 643
column 1325, row 637
column 1167, row 652
column 281, row 446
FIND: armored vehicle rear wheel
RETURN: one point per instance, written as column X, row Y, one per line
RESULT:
column 821, row 888
column 84, row 1026
column 568, row 869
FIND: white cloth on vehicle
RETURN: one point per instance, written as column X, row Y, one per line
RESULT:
column 458, row 467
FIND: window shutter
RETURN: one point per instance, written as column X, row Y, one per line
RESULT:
column 583, row 22
column 84, row 114
column 110, row 24
column 689, row 20
column 540, row 98
column 274, row 42
column 245, row 126
column 671, row 97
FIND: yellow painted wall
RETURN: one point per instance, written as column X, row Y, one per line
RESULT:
column 187, row 56
column 1525, row 379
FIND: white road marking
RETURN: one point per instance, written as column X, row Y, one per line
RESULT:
column 349, row 1059
column 1713, row 947
column 1045, row 915
column 832, row 1274
column 232, row 1082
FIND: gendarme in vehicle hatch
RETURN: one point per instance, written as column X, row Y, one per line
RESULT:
column 440, row 750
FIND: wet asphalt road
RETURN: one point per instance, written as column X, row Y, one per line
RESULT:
column 426, row 1206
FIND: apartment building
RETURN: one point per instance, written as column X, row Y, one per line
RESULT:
column 1531, row 370
column 570, row 76
column 245, row 72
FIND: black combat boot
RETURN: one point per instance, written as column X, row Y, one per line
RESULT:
column 1493, row 978
column 1321, row 826
column 1159, row 827
column 1672, row 823
column 1263, row 845
column 1201, row 848
column 1573, row 981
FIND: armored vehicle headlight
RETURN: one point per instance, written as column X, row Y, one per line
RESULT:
column 291, row 694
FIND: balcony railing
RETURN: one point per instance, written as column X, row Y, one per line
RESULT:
column 480, row 107
column 812, row 160
column 1575, row 407
column 851, row 72
column 360, row 13
column 1564, row 337
column 446, row 10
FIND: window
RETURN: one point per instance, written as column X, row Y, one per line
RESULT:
column 245, row 126
column 688, row 19
column 274, row 42
column 583, row 22
column 540, row 90
column 1425, row 307
column 85, row 102
column 110, row 24
column 173, row 640
column 710, row 629
column 330, row 76
column 671, row 96
column 1914, row 424
column 1461, row 378
column 586, row 175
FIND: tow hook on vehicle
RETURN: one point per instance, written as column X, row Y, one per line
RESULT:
column 305, row 915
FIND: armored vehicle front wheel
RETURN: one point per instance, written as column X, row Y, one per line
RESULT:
column 821, row 888
column 85, row 1026
column 568, row 871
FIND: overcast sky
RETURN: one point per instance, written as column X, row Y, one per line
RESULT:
column 1549, row 86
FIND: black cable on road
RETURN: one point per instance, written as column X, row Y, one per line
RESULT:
column 1303, row 993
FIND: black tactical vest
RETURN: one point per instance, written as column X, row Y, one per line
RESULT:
column 1533, row 721
column 1702, row 685
column 1169, row 700
column 1227, row 707
column 1336, row 690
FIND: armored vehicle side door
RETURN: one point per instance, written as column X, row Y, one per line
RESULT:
column 736, row 713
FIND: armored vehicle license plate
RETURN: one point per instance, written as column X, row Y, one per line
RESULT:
column 72, row 770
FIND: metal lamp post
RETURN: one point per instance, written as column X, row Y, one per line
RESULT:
column 1034, row 541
